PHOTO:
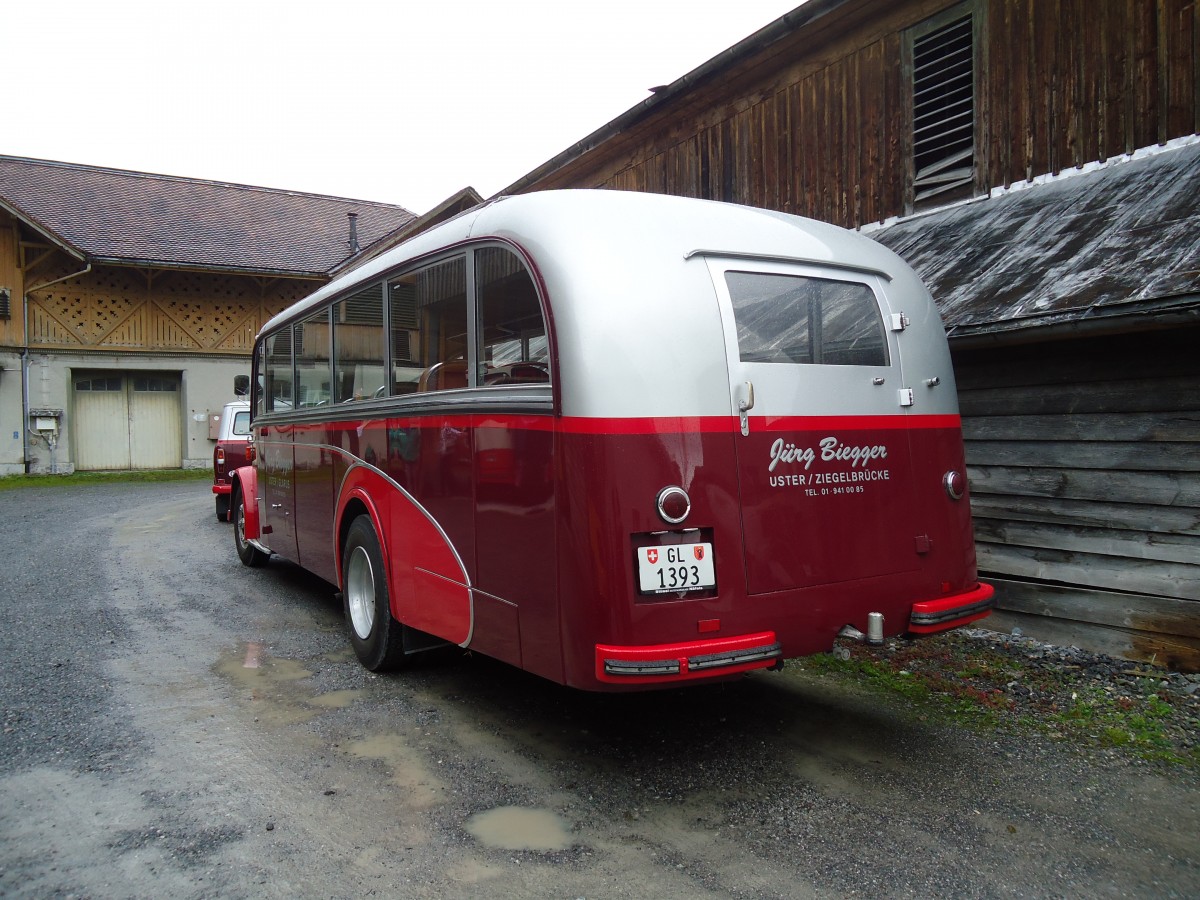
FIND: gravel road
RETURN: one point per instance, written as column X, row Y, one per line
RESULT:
column 175, row 725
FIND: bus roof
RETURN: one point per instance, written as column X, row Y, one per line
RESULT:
column 575, row 223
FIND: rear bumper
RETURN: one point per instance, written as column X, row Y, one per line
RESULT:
column 689, row 661
column 931, row 616
column 222, row 488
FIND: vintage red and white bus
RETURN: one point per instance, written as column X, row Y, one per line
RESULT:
column 617, row 440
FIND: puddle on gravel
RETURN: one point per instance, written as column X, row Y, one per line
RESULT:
column 422, row 788
column 519, row 828
column 275, row 687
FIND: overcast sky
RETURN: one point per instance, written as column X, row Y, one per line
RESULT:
column 400, row 102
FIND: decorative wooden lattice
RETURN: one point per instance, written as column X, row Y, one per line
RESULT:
column 176, row 311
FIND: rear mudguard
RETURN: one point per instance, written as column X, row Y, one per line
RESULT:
column 245, row 480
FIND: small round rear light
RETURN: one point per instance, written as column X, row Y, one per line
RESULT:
column 955, row 483
column 673, row 505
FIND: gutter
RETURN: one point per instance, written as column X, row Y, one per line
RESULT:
column 26, row 431
column 1181, row 311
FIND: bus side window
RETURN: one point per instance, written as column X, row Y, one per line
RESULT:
column 513, row 348
column 358, row 344
column 312, row 360
column 429, row 328
column 277, row 392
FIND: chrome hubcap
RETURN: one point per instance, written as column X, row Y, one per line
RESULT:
column 360, row 592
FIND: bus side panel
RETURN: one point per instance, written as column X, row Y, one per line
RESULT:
column 276, row 467
column 314, row 479
column 516, row 553
column 432, row 542
column 426, row 581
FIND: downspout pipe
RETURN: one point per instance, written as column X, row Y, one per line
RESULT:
column 26, row 431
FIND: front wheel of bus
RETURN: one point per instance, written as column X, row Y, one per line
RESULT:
column 378, row 639
column 249, row 554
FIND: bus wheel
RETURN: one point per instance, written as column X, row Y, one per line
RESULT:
column 222, row 507
column 377, row 638
column 249, row 554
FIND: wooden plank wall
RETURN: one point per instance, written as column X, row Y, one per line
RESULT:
column 1084, row 462
column 819, row 124
column 10, row 278
column 132, row 310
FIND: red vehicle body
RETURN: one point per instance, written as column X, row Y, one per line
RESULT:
column 231, row 452
column 662, row 441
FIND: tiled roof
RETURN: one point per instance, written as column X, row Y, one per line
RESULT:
column 161, row 220
column 1118, row 239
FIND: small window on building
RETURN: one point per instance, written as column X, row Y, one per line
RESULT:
column 99, row 383
column 811, row 321
column 154, row 384
column 943, row 98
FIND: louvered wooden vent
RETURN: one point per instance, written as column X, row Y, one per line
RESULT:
column 943, row 109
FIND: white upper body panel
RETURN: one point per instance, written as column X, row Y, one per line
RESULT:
column 633, row 307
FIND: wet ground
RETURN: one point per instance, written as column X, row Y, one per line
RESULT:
column 177, row 725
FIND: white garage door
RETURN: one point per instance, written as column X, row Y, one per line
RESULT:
column 127, row 421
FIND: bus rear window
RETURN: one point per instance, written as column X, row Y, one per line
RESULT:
column 812, row 321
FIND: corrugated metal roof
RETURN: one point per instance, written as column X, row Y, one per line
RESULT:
column 162, row 220
column 1120, row 239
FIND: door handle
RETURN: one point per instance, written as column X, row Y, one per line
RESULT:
column 745, row 404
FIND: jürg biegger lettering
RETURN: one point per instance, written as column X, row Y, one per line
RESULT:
column 829, row 449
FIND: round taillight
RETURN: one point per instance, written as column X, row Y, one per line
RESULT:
column 955, row 483
column 673, row 505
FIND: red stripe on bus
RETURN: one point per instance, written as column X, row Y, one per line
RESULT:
column 660, row 424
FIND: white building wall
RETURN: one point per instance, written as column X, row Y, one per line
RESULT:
column 206, row 385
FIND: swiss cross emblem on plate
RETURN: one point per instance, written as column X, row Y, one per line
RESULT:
column 652, row 556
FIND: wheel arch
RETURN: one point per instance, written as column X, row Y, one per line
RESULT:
column 354, row 502
column 245, row 480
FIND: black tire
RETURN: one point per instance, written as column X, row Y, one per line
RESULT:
column 377, row 638
column 222, row 507
column 249, row 554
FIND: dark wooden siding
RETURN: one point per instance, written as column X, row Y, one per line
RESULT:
column 1084, row 460
column 818, row 122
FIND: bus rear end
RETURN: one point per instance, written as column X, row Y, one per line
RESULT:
column 823, row 491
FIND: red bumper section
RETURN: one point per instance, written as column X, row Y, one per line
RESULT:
column 932, row 616
column 717, row 657
column 688, row 661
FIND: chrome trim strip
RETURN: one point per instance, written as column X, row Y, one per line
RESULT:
column 639, row 667
column 949, row 615
column 795, row 260
column 536, row 399
column 734, row 657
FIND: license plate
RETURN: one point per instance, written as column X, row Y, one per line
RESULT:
column 675, row 568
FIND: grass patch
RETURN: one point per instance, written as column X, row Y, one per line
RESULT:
column 977, row 684
column 141, row 476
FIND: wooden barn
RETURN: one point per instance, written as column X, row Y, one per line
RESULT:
column 128, row 302
column 1037, row 163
